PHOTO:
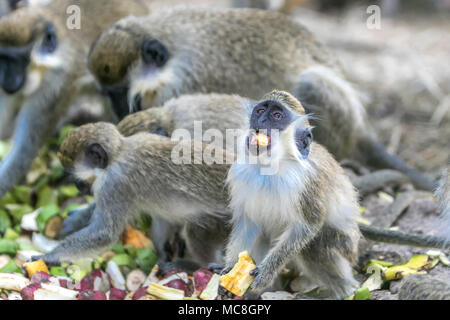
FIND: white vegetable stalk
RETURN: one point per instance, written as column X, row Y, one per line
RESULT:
column 13, row 281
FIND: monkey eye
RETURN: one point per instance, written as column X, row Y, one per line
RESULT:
column 50, row 41
column 154, row 53
column 259, row 111
column 277, row 115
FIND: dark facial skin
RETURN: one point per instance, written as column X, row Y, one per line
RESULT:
column 269, row 115
column 13, row 66
column 14, row 61
column 96, row 156
column 154, row 55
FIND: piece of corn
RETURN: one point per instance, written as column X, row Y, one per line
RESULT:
column 238, row 280
column 262, row 139
column 165, row 293
column 35, row 266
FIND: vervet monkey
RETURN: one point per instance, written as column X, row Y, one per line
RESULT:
column 7, row 109
column 43, row 69
column 133, row 175
column 143, row 62
column 305, row 211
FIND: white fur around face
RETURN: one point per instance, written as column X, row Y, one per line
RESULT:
column 268, row 200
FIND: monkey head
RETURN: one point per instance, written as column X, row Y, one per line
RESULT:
column 88, row 150
column 135, row 67
column 279, row 127
column 30, row 49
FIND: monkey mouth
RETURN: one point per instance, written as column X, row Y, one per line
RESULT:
column 258, row 143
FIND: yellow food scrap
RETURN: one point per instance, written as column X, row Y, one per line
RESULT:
column 239, row 279
column 417, row 265
column 262, row 139
column 35, row 266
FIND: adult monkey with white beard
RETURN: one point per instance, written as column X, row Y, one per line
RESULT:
column 304, row 211
column 43, row 70
column 143, row 62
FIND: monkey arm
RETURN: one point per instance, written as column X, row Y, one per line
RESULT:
column 289, row 244
column 162, row 234
column 33, row 127
column 243, row 236
column 77, row 220
column 104, row 229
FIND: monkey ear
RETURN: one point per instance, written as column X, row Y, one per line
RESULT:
column 96, row 156
column 303, row 140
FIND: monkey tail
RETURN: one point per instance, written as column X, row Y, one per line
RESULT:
column 376, row 155
column 403, row 238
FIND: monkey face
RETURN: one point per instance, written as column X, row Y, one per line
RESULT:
column 272, row 123
column 28, row 50
column 130, row 66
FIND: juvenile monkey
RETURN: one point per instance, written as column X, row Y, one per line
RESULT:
column 43, row 69
column 143, row 62
column 133, row 175
column 306, row 211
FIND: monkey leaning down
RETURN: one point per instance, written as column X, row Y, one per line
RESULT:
column 131, row 175
column 43, row 71
column 143, row 62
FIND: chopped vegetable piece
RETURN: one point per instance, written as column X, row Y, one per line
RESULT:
column 164, row 292
column 58, row 271
column 417, row 265
column 135, row 279
column 117, row 279
column 212, row 289
column 49, row 221
column 92, row 295
column 11, row 267
column 136, row 238
column 201, row 279
column 362, row 294
column 146, row 259
column 10, row 234
column 238, row 280
column 35, row 266
column 5, row 221
column 13, row 281
column 8, row 247
column 117, row 294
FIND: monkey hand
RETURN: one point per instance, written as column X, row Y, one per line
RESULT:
column 49, row 259
column 263, row 278
column 225, row 270
column 216, row 268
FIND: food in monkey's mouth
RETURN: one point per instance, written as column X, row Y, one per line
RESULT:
column 260, row 139
column 238, row 280
column 258, row 142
